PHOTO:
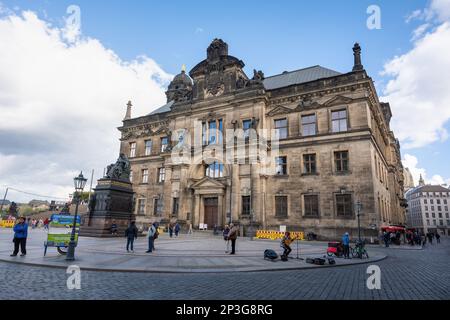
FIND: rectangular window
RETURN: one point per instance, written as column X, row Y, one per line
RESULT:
column 426, row 208
column 425, row 201
column 440, row 214
column 161, row 175
column 164, row 144
column 344, row 206
column 309, row 163
column 445, row 201
column 428, row 222
column 157, row 209
column 141, row 206
column 311, row 205
column 148, row 147
column 281, row 126
column 246, row 126
column 245, row 205
column 132, row 149
column 339, row 120
column 212, row 132
column 441, row 222
column 341, row 161
column 439, row 208
column 427, row 214
column 438, row 201
column 281, row 206
column 281, row 166
column 145, row 176
column 431, row 201
column 309, row 125
column 175, row 206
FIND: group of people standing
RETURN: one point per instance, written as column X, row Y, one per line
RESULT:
column 412, row 238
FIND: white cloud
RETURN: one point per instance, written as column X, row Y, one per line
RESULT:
column 61, row 103
column 411, row 162
column 418, row 88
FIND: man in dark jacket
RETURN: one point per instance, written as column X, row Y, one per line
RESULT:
column 20, row 237
column 131, row 233
column 232, row 236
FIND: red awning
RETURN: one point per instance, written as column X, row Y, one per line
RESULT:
column 393, row 229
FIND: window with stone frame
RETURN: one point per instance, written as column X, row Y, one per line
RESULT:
column 339, row 120
column 309, row 163
column 157, row 206
column 281, row 166
column 309, row 125
column 148, row 147
column 132, row 149
column 341, row 161
column 246, row 205
column 344, row 205
column 141, row 207
column 164, row 144
column 212, row 132
column 246, row 127
column 281, row 206
column 281, row 125
column 144, row 175
column 175, row 206
column 311, row 202
column 161, row 175
column 214, row 170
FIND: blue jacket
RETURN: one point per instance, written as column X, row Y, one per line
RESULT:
column 21, row 231
column 345, row 240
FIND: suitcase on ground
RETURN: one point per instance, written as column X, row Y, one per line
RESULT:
column 310, row 260
column 331, row 261
column 284, row 258
column 319, row 261
column 270, row 255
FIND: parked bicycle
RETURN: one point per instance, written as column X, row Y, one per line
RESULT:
column 359, row 251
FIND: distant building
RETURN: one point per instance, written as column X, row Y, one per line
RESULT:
column 428, row 208
column 38, row 204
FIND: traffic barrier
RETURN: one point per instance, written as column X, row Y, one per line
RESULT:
column 7, row 223
column 277, row 235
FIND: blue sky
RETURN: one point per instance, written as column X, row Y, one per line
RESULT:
column 267, row 35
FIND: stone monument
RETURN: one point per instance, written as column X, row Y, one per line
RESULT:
column 112, row 202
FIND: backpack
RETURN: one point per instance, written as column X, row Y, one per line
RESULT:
column 270, row 254
column 155, row 236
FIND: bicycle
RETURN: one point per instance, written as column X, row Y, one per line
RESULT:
column 359, row 251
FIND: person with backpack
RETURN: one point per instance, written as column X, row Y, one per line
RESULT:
column 152, row 235
column 20, row 237
column 286, row 245
column 131, row 234
column 225, row 232
column 232, row 236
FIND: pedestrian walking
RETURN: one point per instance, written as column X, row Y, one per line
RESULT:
column 190, row 228
column 232, row 236
column 386, row 239
column 225, row 233
column 430, row 237
column 114, row 228
column 46, row 222
column 438, row 237
column 177, row 229
column 131, row 234
column 170, row 230
column 20, row 237
column 152, row 235
column 346, row 244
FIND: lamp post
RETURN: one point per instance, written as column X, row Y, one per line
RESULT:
column 79, row 183
column 358, row 208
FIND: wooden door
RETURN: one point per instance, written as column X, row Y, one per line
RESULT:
column 211, row 212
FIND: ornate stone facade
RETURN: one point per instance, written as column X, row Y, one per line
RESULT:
column 335, row 148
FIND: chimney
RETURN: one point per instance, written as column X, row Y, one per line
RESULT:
column 128, row 114
column 357, row 66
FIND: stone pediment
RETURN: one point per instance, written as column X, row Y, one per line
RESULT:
column 208, row 183
column 338, row 100
column 279, row 110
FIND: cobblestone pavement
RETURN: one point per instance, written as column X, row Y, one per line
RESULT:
column 405, row 274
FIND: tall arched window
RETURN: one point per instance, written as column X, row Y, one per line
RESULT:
column 214, row 170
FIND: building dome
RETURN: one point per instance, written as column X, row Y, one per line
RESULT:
column 180, row 87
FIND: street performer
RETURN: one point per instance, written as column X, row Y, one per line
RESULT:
column 286, row 244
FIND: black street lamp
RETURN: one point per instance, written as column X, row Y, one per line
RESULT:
column 79, row 183
column 358, row 207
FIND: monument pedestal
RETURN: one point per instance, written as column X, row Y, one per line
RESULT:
column 111, row 202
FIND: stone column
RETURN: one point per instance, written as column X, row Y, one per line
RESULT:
column 196, row 213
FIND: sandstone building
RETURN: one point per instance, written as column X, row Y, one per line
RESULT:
column 335, row 149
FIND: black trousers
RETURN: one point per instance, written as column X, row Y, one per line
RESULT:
column 233, row 245
column 22, row 243
column 287, row 250
column 130, row 242
column 347, row 251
